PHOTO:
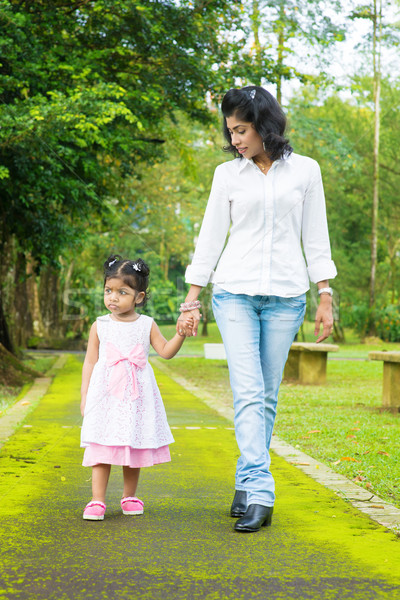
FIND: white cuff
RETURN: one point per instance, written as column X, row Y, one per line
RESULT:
column 196, row 275
column 321, row 271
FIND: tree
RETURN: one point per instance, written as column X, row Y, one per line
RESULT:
column 340, row 135
column 381, row 33
column 84, row 87
column 376, row 54
column 282, row 32
column 156, row 215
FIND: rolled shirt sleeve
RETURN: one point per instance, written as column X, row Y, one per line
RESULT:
column 315, row 236
column 213, row 233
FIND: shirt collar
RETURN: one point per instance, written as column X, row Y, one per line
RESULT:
column 246, row 162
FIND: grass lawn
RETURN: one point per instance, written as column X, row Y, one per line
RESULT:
column 194, row 345
column 12, row 393
column 353, row 348
column 40, row 362
column 338, row 423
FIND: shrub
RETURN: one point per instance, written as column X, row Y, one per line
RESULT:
column 388, row 323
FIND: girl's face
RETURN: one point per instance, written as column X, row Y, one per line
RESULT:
column 244, row 137
column 120, row 299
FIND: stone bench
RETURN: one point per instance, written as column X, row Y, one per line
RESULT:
column 214, row 351
column 306, row 363
column 391, row 378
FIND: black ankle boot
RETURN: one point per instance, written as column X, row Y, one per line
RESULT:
column 256, row 516
column 239, row 504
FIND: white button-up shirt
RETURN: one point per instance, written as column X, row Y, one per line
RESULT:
column 269, row 218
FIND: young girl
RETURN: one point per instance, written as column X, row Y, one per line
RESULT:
column 124, row 417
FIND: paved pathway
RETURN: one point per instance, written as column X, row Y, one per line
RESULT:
column 184, row 546
column 377, row 509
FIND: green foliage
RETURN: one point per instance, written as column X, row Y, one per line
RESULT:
column 358, row 317
column 282, row 35
column 384, row 320
column 85, row 89
column 101, row 149
column 339, row 134
column 163, row 302
column 388, row 323
column 53, row 149
column 156, row 215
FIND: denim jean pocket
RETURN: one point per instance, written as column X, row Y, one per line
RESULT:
column 219, row 291
column 294, row 301
column 224, row 302
column 291, row 309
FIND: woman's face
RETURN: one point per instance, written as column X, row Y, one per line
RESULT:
column 244, row 137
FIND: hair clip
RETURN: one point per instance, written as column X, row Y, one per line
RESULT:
column 110, row 264
column 136, row 267
column 252, row 94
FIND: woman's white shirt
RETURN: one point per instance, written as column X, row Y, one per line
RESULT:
column 268, row 218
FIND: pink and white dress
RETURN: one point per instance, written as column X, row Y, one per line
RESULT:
column 125, row 421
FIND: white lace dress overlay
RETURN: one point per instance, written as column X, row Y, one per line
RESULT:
column 130, row 413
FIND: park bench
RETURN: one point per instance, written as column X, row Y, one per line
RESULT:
column 306, row 362
column 391, row 378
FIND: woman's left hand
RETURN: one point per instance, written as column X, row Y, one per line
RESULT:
column 324, row 317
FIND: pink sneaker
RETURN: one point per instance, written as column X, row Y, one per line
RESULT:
column 132, row 506
column 94, row 511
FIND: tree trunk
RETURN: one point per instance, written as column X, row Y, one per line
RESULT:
column 377, row 31
column 281, row 42
column 23, row 327
column 5, row 337
column 255, row 26
column 7, row 257
column 206, row 309
column 338, row 333
column 204, row 329
column 164, row 256
column 49, row 301
column 393, row 247
column 67, row 284
column 33, row 298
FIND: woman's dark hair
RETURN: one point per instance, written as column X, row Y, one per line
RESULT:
column 134, row 273
column 257, row 106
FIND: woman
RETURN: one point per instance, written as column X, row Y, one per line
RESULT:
column 271, row 201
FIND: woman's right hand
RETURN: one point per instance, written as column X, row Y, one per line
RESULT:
column 83, row 404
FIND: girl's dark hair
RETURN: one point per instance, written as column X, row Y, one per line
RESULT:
column 257, row 106
column 134, row 273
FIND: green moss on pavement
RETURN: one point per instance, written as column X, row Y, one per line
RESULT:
column 184, row 546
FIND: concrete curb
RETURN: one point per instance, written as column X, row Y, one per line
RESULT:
column 377, row 509
column 14, row 415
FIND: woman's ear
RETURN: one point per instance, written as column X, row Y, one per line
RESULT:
column 140, row 297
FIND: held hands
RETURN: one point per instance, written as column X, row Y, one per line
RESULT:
column 188, row 323
column 324, row 317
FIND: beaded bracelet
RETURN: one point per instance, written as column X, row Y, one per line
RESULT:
column 186, row 306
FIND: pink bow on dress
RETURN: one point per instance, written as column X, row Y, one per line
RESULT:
column 136, row 358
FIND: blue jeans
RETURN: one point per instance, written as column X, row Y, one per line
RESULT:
column 257, row 332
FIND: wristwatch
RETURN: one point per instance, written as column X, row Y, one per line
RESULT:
column 327, row 290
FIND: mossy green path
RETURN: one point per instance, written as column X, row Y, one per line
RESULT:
column 184, row 546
